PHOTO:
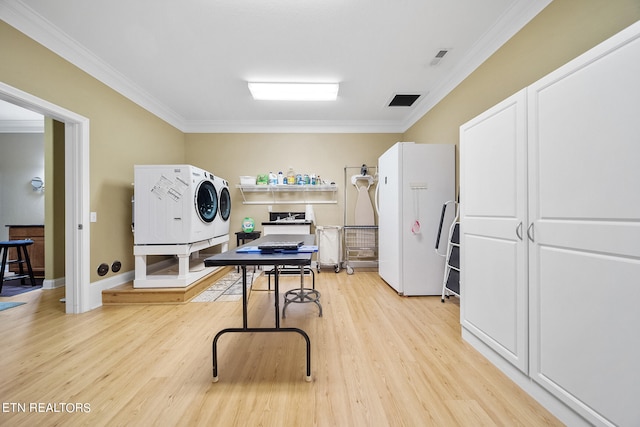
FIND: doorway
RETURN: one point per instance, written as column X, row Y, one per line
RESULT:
column 77, row 237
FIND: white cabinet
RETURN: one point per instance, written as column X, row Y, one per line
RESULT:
column 584, row 164
column 493, row 189
column 551, row 232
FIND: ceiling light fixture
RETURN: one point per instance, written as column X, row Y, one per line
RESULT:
column 294, row 91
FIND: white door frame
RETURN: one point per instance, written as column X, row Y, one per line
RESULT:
column 77, row 238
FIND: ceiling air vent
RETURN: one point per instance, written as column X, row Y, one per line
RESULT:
column 403, row 100
column 436, row 59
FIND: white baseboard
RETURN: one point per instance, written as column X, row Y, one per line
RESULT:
column 53, row 283
column 97, row 287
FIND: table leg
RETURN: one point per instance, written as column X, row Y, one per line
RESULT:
column 20, row 266
column 307, row 378
column 245, row 328
column 277, row 294
column 29, row 269
column 4, row 265
column 237, row 245
column 245, row 320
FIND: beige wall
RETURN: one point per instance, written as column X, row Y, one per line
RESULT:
column 233, row 155
column 561, row 32
column 121, row 135
column 54, row 232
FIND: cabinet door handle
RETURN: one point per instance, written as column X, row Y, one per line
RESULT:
column 530, row 232
column 519, row 231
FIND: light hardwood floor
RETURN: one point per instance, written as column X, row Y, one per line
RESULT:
column 378, row 359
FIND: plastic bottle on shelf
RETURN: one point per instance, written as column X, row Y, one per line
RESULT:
column 280, row 178
column 273, row 179
column 291, row 176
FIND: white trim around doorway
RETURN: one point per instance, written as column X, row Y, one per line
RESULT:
column 78, row 298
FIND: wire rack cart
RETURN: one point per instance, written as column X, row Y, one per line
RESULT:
column 360, row 245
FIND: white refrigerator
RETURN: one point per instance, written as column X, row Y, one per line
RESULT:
column 414, row 181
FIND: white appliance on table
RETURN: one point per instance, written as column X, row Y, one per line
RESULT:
column 414, row 181
column 221, row 221
column 287, row 223
column 178, row 210
column 176, row 204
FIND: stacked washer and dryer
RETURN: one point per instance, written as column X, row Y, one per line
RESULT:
column 178, row 210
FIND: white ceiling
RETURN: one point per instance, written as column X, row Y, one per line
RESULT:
column 189, row 61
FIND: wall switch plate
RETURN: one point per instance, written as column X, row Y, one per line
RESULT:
column 94, row 217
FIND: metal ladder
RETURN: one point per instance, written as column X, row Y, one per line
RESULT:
column 451, row 280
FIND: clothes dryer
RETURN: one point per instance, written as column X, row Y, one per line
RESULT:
column 221, row 222
column 174, row 204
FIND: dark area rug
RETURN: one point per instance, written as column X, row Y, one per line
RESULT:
column 14, row 287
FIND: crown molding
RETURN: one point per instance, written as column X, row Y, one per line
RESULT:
column 291, row 126
column 512, row 21
column 21, row 126
column 32, row 24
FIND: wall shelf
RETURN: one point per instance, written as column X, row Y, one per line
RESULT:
column 289, row 194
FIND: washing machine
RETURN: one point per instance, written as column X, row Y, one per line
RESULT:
column 221, row 221
column 175, row 204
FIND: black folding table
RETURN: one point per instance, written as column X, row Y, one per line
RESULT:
column 278, row 259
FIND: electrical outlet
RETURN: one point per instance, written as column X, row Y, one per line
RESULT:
column 116, row 266
column 103, row 269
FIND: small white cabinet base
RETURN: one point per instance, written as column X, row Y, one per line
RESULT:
column 270, row 228
column 169, row 278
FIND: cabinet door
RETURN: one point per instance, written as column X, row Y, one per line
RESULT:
column 584, row 159
column 493, row 224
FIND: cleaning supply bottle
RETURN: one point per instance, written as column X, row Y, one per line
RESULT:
column 273, row 179
column 291, row 176
column 280, row 178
